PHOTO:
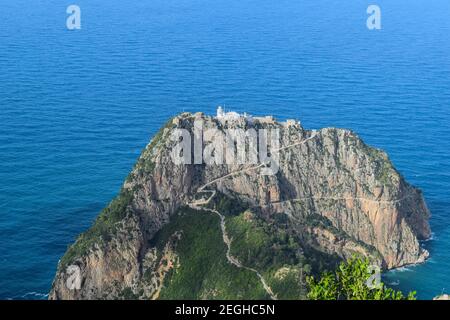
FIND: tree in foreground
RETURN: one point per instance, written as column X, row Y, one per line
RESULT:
column 352, row 281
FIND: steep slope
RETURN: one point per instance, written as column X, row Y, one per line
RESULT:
column 332, row 197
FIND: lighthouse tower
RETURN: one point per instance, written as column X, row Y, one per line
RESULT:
column 220, row 112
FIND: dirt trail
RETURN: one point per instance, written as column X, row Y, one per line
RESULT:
column 340, row 198
column 256, row 166
column 196, row 205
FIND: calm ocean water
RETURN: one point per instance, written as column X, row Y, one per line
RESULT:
column 77, row 107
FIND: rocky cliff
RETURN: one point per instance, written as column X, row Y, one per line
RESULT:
column 332, row 197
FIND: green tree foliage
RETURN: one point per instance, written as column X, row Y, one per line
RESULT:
column 103, row 228
column 349, row 282
column 203, row 271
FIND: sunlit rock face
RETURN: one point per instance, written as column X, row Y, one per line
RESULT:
column 359, row 202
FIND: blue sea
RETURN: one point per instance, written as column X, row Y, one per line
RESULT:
column 77, row 107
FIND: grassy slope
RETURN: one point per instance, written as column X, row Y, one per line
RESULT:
column 204, row 272
column 270, row 250
column 104, row 226
column 102, row 229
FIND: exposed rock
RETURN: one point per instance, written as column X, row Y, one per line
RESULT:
column 442, row 297
column 346, row 195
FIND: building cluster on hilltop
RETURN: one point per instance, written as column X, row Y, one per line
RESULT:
column 222, row 115
column 231, row 115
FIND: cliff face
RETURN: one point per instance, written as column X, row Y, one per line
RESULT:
column 338, row 197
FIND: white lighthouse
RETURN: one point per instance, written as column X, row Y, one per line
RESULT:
column 220, row 112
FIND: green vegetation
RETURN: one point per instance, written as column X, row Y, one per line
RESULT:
column 145, row 162
column 384, row 171
column 259, row 244
column 127, row 294
column 103, row 228
column 288, row 282
column 349, row 282
column 272, row 251
column 317, row 220
column 106, row 223
column 203, row 271
column 227, row 205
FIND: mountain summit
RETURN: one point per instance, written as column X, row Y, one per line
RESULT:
column 209, row 229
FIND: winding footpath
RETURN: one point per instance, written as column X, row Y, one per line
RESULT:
column 314, row 134
column 196, row 205
column 339, row 199
column 233, row 260
column 199, row 205
column 256, row 166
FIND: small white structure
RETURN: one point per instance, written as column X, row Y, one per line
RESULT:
column 220, row 112
column 291, row 122
column 227, row 116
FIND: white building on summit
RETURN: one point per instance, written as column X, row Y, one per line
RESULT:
column 231, row 115
column 222, row 115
